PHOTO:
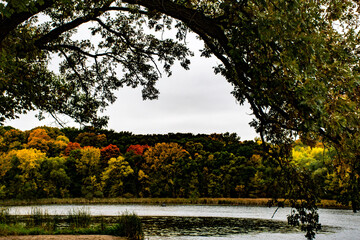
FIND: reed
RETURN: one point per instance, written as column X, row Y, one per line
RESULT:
column 79, row 218
column 332, row 204
column 4, row 215
column 37, row 217
column 78, row 221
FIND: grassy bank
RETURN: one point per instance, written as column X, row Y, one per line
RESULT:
column 76, row 222
column 160, row 201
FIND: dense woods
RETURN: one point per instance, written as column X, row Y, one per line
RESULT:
column 49, row 162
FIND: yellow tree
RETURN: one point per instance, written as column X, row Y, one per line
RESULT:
column 47, row 140
column 21, row 172
column 114, row 175
column 161, row 163
column 89, row 168
column 59, row 145
column 5, row 163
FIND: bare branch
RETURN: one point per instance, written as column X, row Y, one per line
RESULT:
column 83, row 85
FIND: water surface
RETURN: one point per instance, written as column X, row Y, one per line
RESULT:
column 198, row 222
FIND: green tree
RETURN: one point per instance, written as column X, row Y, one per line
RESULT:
column 54, row 180
column 88, row 78
column 91, row 139
column 277, row 54
column 76, row 179
column 13, row 139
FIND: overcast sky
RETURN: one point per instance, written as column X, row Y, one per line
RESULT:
column 195, row 101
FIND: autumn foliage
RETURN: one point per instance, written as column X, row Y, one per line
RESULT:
column 137, row 149
column 44, row 163
column 110, row 151
column 71, row 146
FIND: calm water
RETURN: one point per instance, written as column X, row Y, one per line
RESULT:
column 196, row 222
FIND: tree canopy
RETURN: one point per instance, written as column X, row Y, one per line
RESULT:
column 295, row 62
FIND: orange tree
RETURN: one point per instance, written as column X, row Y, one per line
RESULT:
column 137, row 149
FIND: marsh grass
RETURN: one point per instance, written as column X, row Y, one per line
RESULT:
column 37, row 218
column 4, row 215
column 20, row 229
column 77, row 221
column 79, row 218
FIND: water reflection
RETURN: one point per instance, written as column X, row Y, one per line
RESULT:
column 210, row 226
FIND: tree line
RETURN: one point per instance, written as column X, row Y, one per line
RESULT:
column 48, row 162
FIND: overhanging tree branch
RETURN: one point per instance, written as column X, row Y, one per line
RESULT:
column 7, row 24
column 55, row 33
column 196, row 21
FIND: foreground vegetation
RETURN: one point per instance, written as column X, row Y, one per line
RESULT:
column 76, row 222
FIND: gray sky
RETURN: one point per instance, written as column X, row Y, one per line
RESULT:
column 196, row 101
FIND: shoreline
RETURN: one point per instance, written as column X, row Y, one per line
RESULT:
column 60, row 237
column 332, row 204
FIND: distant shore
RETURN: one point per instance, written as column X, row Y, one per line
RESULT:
column 161, row 201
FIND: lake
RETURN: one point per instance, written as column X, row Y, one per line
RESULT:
column 203, row 222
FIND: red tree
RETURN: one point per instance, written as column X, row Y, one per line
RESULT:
column 137, row 149
column 71, row 146
column 111, row 151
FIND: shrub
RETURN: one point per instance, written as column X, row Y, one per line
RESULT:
column 128, row 225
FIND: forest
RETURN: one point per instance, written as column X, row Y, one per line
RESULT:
column 48, row 162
